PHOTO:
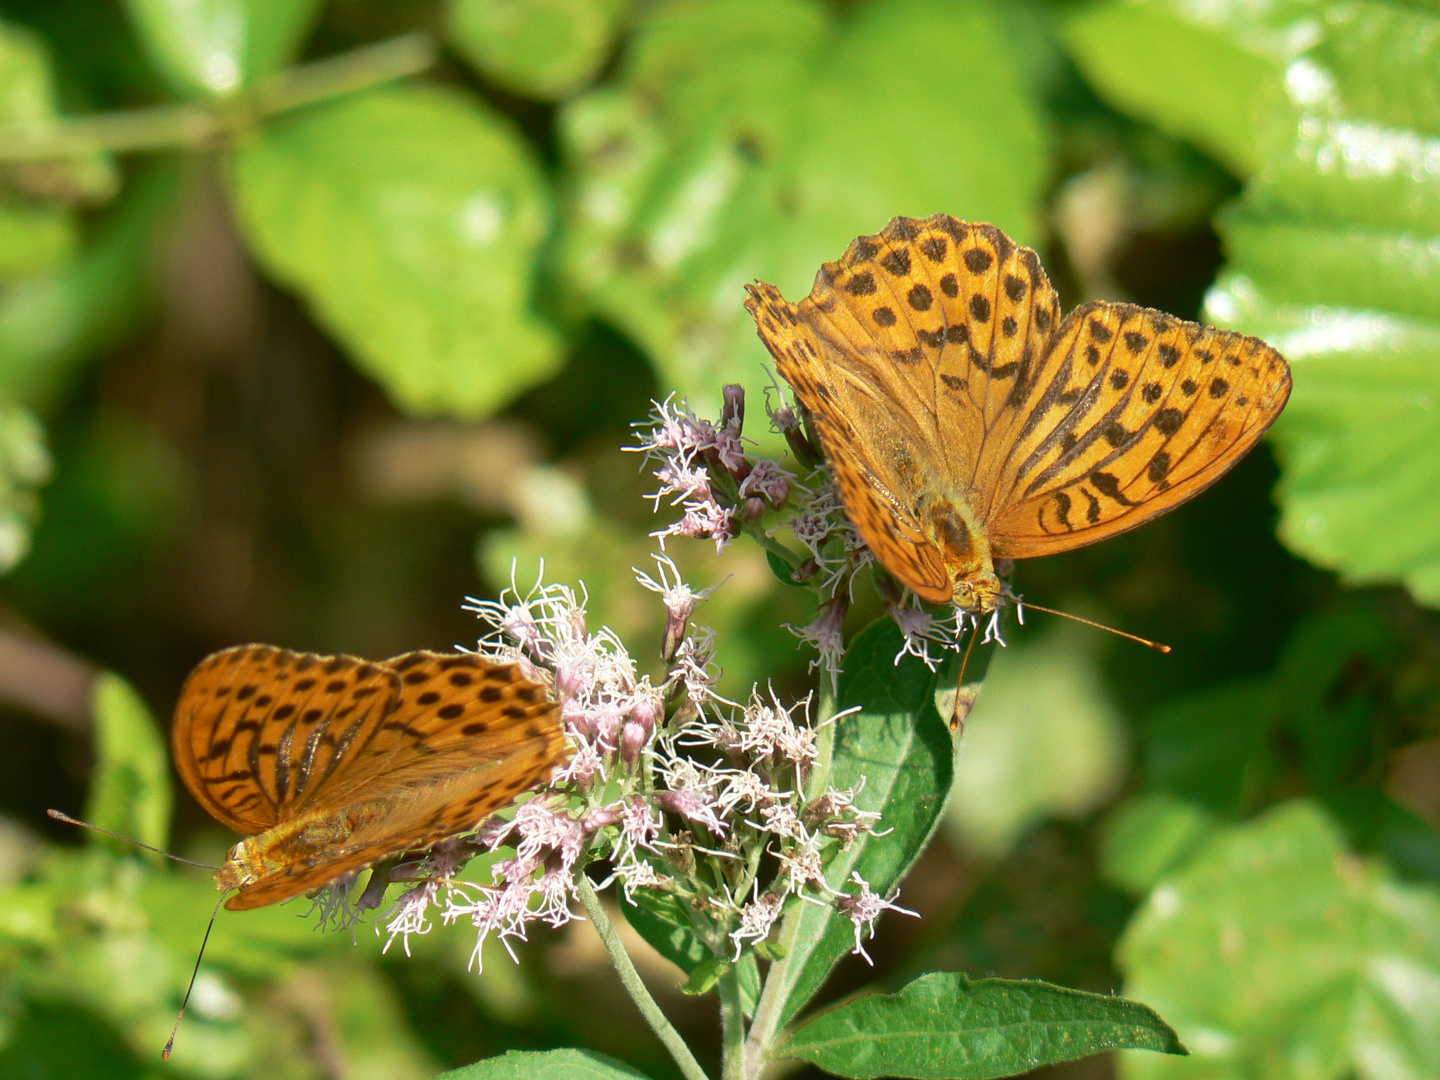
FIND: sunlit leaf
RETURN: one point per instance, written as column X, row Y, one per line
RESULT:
column 409, row 218
column 757, row 138
column 546, row 1065
column 1273, row 952
column 213, row 48
column 541, row 48
column 131, row 793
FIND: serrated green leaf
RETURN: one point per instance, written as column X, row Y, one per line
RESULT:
column 945, row 1026
column 897, row 752
column 1274, row 952
column 546, row 1065
column 541, row 48
column 215, row 48
column 757, row 138
column 409, row 218
column 1353, row 440
column 130, row 792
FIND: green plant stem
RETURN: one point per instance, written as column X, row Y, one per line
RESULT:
column 652, row 1013
column 766, row 1023
column 195, row 125
column 732, row 1025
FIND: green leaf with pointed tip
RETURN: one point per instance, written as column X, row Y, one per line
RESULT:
column 541, row 48
column 546, row 1065
column 215, row 48
column 409, row 218
column 756, row 138
column 946, row 1026
column 896, row 752
column 1274, row 952
column 130, row 793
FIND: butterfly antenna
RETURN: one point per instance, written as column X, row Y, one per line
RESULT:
column 1159, row 647
column 957, row 722
column 170, row 1042
column 59, row 816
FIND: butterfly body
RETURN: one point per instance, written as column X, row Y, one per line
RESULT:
column 333, row 763
column 965, row 421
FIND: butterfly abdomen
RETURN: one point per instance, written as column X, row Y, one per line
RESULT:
column 294, row 842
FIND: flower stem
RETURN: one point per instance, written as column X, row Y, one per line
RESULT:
column 664, row 1030
column 196, row 125
column 766, row 1023
column 732, row 1021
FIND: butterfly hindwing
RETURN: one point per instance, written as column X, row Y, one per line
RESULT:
column 1135, row 413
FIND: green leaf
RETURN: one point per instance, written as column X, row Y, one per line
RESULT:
column 546, row 1065
column 130, row 793
column 897, row 745
column 706, row 974
column 52, row 323
column 1198, row 79
column 214, row 48
column 1276, row 953
column 409, row 218
column 27, row 99
column 661, row 920
column 757, row 138
column 1148, row 835
column 1356, row 477
column 24, row 467
column 541, row 48
column 35, row 240
column 783, row 571
column 1044, row 739
column 947, row 1027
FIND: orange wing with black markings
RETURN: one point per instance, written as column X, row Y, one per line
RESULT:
column 963, row 419
column 337, row 762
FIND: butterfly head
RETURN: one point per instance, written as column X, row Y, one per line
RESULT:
column 978, row 593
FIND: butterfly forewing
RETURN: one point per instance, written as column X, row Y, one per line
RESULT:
column 860, row 428
column 259, row 729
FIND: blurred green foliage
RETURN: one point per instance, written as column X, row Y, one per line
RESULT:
column 291, row 350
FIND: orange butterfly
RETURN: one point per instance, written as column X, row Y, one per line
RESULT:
column 965, row 422
column 334, row 763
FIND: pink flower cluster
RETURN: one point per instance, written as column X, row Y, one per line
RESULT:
column 671, row 787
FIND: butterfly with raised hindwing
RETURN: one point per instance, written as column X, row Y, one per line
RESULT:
column 965, row 421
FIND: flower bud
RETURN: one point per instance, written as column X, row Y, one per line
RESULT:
column 732, row 415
